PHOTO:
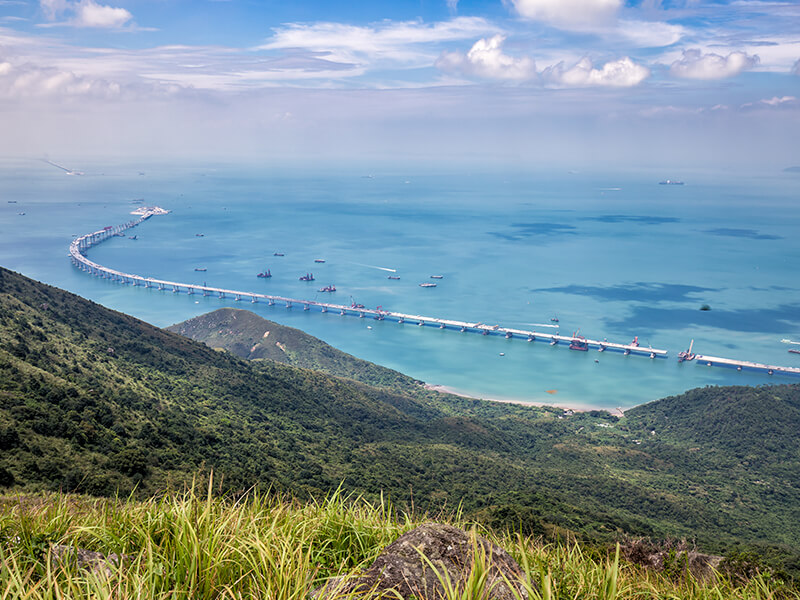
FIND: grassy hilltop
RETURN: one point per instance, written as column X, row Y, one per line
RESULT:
column 97, row 402
column 193, row 545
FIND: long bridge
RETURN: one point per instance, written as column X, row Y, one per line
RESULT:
column 81, row 244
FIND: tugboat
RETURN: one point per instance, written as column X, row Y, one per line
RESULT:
column 686, row 354
column 277, row 254
column 392, row 277
column 265, row 274
column 579, row 342
column 200, row 269
column 307, row 277
column 319, row 260
column 329, row 288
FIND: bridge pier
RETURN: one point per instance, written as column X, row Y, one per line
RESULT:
column 509, row 335
column 253, row 299
column 237, row 297
column 324, row 309
column 306, row 307
column 222, row 295
column 174, row 289
column 190, row 291
column 401, row 320
column 271, row 302
column 288, row 304
column 441, row 325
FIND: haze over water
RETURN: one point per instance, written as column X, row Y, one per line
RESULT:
column 614, row 255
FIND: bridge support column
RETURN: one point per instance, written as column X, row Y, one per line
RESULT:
column 253, row 299
column 324, row 309
column 306, row 307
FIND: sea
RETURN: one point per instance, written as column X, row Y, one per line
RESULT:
column 610, row 255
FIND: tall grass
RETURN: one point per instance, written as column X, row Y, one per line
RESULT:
column 193, row 545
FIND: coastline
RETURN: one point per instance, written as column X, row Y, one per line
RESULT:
column 567, row 405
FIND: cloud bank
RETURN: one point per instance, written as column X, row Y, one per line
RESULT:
column 486, row 59
column 618, row 73
column 696, row 65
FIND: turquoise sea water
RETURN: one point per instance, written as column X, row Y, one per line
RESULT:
column 613, row 254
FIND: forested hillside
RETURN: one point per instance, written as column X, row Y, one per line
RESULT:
column 95, row 401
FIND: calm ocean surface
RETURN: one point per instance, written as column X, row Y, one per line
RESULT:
column 614, row 254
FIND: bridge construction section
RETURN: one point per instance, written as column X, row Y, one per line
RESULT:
column 744, row 365
column 81, row 244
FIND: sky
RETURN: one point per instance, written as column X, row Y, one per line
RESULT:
column 568, row 83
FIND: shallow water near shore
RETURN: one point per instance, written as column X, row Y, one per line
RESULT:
column 612, row 255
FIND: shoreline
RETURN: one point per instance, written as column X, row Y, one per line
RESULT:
column 575, row 407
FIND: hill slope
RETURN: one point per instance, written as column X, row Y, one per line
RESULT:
column 97, row 401
column 249, row 336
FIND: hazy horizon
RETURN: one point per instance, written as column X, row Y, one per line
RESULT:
column 520, row 82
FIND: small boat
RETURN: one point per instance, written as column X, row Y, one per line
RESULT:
column 265, row 274
column 201, row 269
column 329, row 288
column 319, row 260
column 670, row 182
column 502, row 354
column 427, row 285
column 579, row 342
column 307, row 277
column 133, row 237
column 554, row 319
column 392, row 277
column 199, row 235
column 278, row 254
column 437, row 276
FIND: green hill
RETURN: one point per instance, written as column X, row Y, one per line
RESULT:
column 252, row 337
column 95, row 401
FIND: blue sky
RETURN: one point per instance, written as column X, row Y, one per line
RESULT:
column 563, row 82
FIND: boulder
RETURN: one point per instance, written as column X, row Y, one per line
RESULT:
column 95, row 562
column 400, row 570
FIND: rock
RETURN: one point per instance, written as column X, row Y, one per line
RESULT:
column 674, row 558
column 95, row 562
column 400, row 568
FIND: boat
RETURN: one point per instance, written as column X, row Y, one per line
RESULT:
column 392, row 277
column 579, row 342
column 330, row 288
column 354, row 304
column 554, row 319
column 635, row 342
column 199, row 235
column 202, row 269
column 437, row 276
column 278, row 254
column 133, row 237
column 265, row 274
column 307, row 277
column 793, row 351
column 426, row 285
column 319, row 260
column 670, row 182
column 686, row 354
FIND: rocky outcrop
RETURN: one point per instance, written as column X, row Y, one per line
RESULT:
column 421, row 563
column 675, row 559
column 95, row 562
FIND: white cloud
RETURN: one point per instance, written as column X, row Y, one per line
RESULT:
column 618, row 73
column 90, row 14
column 86, row 13
column 568, row 13
column 696, row 65
column 649, row 34
column 398, row 42
column 774, row 102
column 32, row 81
column 486, row 59
column 452, row 5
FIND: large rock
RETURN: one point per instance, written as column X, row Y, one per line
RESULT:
column 401, row 568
